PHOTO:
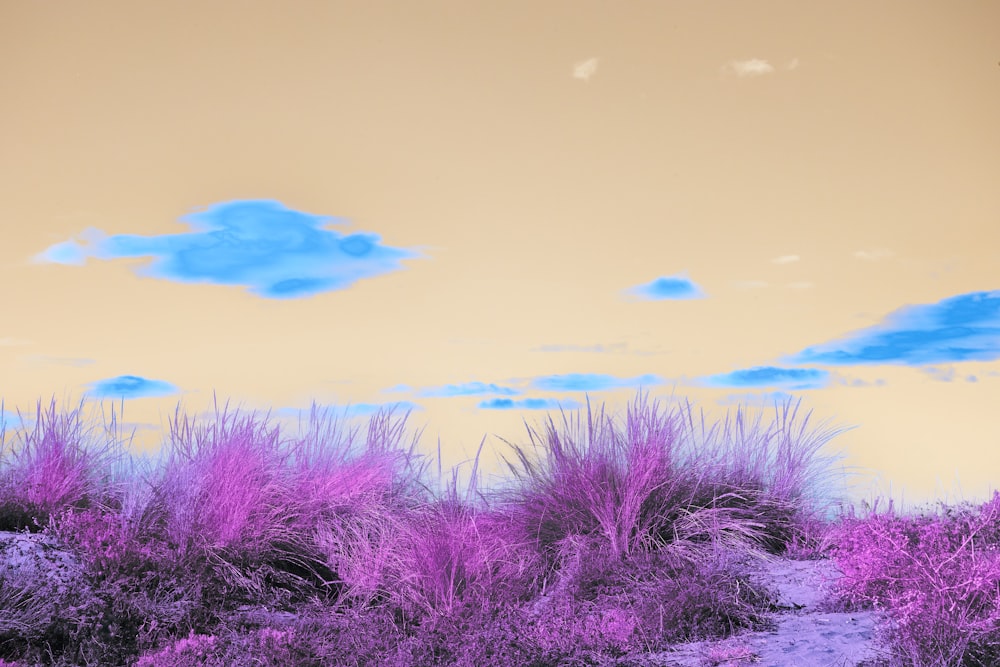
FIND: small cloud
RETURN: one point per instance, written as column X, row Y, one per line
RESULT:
column 526, row 404
column 585, row 69
column 673, row 287
column 277, row 252
column 131, row 386
column 785, row 259
column 872, row 255
column 961, row 328
column 940, row 374
column 947, row 374
column 752, row 67
column 767, row 376
column 11, row 421
column 792, row 64
column 847, row 381
column 799, row 285
column 590, row 382
column 468, row 389
column 10, row 342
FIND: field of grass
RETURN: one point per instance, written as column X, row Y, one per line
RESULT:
column 602, row 544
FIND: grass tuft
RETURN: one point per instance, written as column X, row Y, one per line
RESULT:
column 607, row 542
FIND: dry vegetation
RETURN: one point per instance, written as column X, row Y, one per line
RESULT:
column 604, row 544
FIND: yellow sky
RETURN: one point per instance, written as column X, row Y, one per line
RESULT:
column 793, row 174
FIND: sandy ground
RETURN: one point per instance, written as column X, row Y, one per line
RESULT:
column 805, row 636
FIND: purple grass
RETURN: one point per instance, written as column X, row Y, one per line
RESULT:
column 604, row 543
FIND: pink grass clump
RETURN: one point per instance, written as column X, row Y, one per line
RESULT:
column 103, row 542
column 607, row 542
column 935, row 577
column 55, row 467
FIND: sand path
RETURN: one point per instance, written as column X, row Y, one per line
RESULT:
column 805, row 636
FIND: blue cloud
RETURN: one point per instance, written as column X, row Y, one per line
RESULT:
column 764, row 398
column 469, row 389
column 10, row 421
column 855, row 382
column 768, row 376
column 131, row 386
column 276, row 251
column 960, row 328
column 674, row 287
column 526, row 403
column 590, row 382
column 353, row 409
column 940, row 374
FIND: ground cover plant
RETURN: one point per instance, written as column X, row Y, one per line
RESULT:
column 604, row 543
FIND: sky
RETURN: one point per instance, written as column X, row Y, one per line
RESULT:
column 484, row 212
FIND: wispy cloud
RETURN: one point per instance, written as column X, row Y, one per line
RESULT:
column 847, row 381
column 40, row 359
column 792, row 64
column 468, row 389
column 11, row 421
column 771, row 376
column 350, row 410
column 277, row 252
column 673, row 287
column 800, row 285
column 572, row 382
column 874, row 254
column 752, row 67
column 591, row 382
column 527, row 404
column 614, row 347
column 946, row 374
column 130, row 386
column 785, row 259
column 585, row 69
column 762, row 398
column 960, row 328
column 599, row 348
column 10, row 342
